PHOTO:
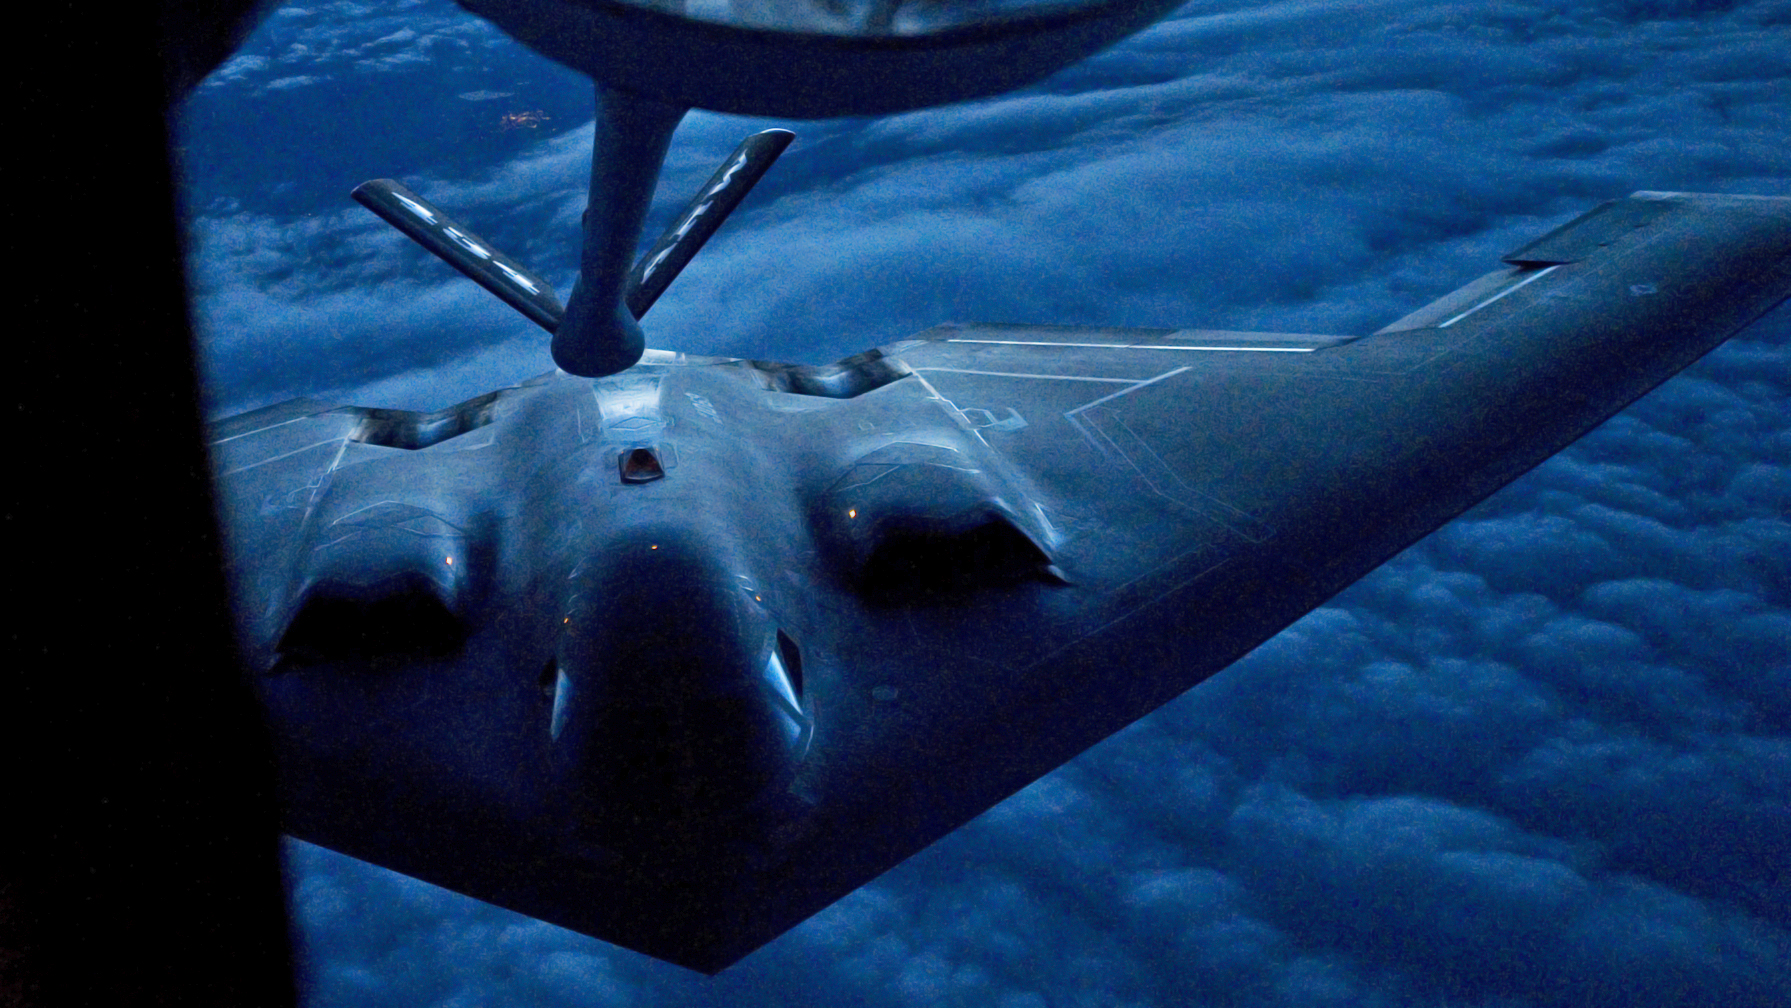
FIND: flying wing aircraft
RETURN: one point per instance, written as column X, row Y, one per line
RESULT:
column 679, row 655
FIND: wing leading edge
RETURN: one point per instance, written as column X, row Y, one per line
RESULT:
column 983, row 549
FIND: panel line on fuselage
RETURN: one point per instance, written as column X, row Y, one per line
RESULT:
column 1112, row 449
column 1137, row 346
column 295, row 451
column 258, row 430
column 1016, row 374
column 1509, row 290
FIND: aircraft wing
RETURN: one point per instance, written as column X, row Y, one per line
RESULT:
column 982, row 550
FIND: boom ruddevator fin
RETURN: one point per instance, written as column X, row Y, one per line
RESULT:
column 702, row 217
column 518, row 287
column 441, row 234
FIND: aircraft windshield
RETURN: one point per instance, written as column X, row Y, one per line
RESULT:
column 856, row 17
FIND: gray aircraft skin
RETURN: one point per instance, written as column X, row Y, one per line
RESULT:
column 678, row 656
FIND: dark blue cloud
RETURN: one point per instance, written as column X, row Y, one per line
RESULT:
column 1540, row 758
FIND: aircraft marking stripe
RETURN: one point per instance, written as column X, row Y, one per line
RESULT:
column 1138, row 346
column 1084, row 431
column 340, row 437
column 1127, row 391
column 269, row 427
column 1247, row 349
column 1495, row 297
column 1016, row 374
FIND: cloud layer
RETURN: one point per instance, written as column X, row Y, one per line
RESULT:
column 1541, row 758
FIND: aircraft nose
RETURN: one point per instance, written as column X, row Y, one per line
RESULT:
column 668, row 715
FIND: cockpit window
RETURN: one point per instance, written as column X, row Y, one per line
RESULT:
column 777, row 673
column 792, row 656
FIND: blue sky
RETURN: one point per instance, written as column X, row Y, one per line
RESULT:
column 1539, row 758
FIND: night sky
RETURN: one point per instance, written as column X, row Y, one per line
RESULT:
column 1541, row 758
